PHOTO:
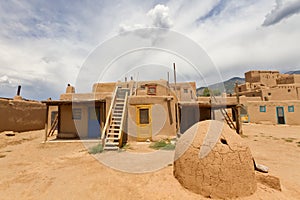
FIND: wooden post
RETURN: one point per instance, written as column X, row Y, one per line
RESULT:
column 238, row 113
column 46, row 124
column 175, row 80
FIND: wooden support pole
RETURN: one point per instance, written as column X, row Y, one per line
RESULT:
column 46, row 124
column 238, row 113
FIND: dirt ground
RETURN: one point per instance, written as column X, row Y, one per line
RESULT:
column 30, row 169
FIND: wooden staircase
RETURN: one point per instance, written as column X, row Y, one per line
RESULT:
column 113, row 130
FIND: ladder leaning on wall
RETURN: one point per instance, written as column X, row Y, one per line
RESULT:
column 224, row 113
column 112, row 133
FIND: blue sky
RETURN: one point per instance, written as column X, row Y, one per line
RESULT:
column 43, row 44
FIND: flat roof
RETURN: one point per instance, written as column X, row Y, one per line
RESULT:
column 65, row 102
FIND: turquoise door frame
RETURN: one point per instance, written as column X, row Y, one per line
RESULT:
column 280, row 115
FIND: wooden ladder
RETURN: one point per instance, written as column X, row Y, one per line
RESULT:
column 53, row 126
column 225, row 114
column 114, row 133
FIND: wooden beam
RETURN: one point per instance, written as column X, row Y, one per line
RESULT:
column 238, row 113
column 46, row 124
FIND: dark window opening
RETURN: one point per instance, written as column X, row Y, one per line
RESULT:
column 144, row 116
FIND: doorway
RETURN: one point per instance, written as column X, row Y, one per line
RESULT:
column 280, row 115
column 94, row 122
column 144, row 122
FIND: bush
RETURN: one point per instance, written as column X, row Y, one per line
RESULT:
column 96, row 149
column 162, row 144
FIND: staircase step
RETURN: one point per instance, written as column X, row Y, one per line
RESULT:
column 112, row 134
column 111, row 148
column 111, row 143
column 113, row 129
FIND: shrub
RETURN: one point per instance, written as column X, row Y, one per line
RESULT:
column 96, row 149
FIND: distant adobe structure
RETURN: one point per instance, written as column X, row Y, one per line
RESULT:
column 279, row 97
column 271, row 85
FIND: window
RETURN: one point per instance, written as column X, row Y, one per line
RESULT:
column 76, row 113
column 289, row 90
column 185, row 91
column 144, row 116
column 291, row 108
column 151, row 90
column 143, row 87
column 262, row 108
column 269, row 93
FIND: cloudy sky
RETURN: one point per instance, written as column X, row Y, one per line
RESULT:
column 44, row 44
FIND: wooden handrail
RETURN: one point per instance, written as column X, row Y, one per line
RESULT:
column 123, row 113
column 109, row 114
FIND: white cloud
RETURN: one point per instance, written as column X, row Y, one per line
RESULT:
column 43, row 44
column 160, row 16
column 282, row 11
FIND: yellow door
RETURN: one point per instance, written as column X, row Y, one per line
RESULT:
column 144, row 122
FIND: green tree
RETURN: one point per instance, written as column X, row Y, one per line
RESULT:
column 206, row 92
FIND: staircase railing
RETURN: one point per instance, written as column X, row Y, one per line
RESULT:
column 108, row 117
column 120, row 136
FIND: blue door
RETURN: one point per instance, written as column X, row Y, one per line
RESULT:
column 280, row 115
column 94, row 122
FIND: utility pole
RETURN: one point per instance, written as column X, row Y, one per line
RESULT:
column 238, row 111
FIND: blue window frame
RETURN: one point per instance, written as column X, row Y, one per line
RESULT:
column 291, row 108
column 262, row 108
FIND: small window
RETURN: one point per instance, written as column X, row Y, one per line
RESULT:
column 291, row 108
column 76, row 113
column 289, row 90
column 185, row 90
column 144, row 116
column 269, row 93
column 143, row 87
column 262, row 108
column 151, row 90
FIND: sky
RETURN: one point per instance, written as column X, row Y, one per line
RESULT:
column 44, row 45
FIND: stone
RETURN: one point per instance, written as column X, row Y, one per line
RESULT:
column 212, row 160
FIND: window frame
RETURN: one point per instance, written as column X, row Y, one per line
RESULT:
column 262, row 109
column 291, row 108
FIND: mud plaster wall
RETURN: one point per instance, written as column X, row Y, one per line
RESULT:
column 21, row 115
column 270, row 116
column 160, row 116
column 281, row 93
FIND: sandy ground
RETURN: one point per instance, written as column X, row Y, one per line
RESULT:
column 30, row 169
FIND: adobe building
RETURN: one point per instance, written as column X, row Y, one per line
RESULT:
column 279, row 97
column 132, row 110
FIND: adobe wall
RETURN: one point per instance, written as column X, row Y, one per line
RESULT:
column 266, row 77
column 270, row 116
column 21, row 115
column 104, row 87
column 282, row 92
column 161, row 124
